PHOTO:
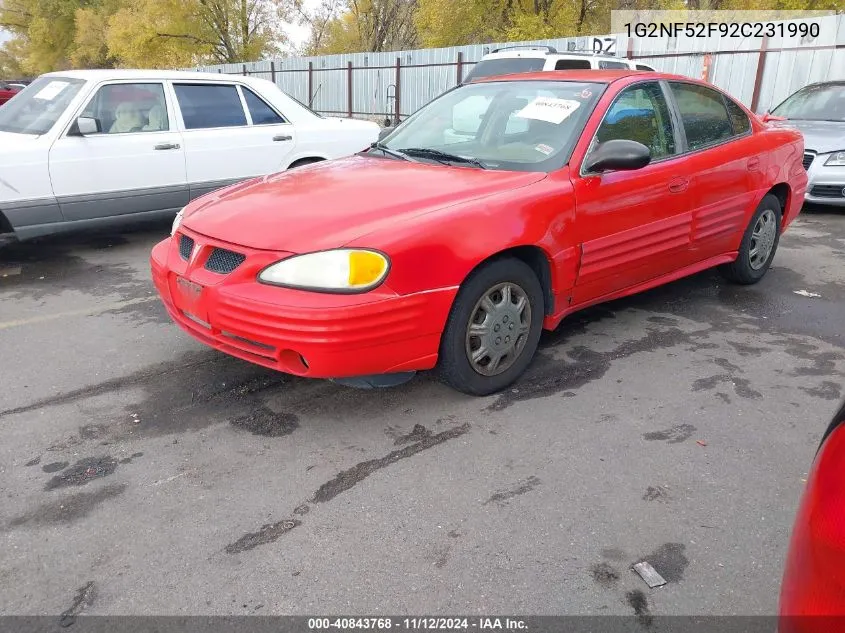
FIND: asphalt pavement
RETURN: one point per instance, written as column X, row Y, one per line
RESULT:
column 142, row 473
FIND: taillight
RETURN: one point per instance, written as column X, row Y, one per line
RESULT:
column 814, row 577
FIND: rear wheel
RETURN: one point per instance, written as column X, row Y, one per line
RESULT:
column 493, row 328
column 758, row 246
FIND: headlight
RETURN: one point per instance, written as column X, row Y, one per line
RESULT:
column 341, row 270
column 837, row 159
column 177, row 221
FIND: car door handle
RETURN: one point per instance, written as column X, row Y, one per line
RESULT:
column 283, row 137
column 678, row 185
column 753, row 163
column 167, row 146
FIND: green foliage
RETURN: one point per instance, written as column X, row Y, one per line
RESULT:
column 58, row 34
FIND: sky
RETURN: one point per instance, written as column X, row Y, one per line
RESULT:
column 297, row 33
column 4, row 35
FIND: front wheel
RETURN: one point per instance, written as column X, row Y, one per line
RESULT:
column 493, row 329
column 758, row 246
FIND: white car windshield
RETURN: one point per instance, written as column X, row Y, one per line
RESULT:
column 508, row 125
column 37, row 107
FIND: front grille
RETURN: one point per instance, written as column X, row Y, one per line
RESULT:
column 186, row 247
column 808, row 160
column 828, row 191
column 223, row 261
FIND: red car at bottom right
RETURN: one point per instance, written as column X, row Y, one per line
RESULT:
column 813, row 592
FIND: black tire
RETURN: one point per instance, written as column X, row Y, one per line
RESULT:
column 454, row 365
column 741, row 270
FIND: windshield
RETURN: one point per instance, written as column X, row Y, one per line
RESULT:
column 825, row 102
column 505, row 66
column 508, row 125
column 36, row 108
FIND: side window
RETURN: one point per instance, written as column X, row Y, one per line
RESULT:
column 210, row 105
column 129, row 108
column 641, row 114
column 703, row 114
column 605, row 65
column 739, row 120
column 261, row 113
column 644, row 67
column 572, row 64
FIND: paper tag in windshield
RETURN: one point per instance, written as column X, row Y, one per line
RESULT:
column 51, row 90
column 549, row 109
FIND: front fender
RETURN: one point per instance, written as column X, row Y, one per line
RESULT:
column 441, row 248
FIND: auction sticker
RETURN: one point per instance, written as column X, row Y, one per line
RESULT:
column 51, row 90
column 549, row 109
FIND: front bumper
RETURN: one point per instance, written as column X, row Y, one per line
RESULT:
column 309, row 334
column 826, row 185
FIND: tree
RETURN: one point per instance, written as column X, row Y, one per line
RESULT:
column 444, row 23
column 167, row 33
column 347, row 26
column 44, row 31
column 58, row 34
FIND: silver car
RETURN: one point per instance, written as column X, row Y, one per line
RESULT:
column 818, row 110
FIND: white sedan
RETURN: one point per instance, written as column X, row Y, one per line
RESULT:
column 95, row 147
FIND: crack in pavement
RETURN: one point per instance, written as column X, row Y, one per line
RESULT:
column 342, row 482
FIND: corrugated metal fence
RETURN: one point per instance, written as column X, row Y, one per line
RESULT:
column 760, row 72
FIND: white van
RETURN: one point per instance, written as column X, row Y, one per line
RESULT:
column 531, row 58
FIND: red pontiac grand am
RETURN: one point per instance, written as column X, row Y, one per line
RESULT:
column 487, row 216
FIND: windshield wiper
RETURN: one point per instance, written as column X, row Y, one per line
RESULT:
column 390, row 152
column 443, row 157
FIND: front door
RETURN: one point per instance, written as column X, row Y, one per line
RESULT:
column 135, row 164
column 632, row 225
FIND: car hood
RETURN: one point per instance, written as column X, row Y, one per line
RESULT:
column 327, row 205
column 819, row 136
column 10, row 142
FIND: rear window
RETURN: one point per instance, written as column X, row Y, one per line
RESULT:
column 572, row 64
column 505, row 66
column 209, row 106
column 603, row 64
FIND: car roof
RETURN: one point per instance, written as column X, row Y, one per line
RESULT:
column 538, row 53
column 586, row 75
column 104, row 74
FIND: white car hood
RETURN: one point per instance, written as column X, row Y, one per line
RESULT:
column 10, row 142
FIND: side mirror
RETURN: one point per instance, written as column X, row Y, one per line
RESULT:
column 768, row 117
column 84, row 126
column 618, row 155
column 385, row 132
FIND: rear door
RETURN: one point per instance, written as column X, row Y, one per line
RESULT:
column 230, row 134
column 728, row 167
column 135, row 164
column 633, row 225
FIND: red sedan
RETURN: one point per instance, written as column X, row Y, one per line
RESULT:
column 813, row 593
column 487, row 216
